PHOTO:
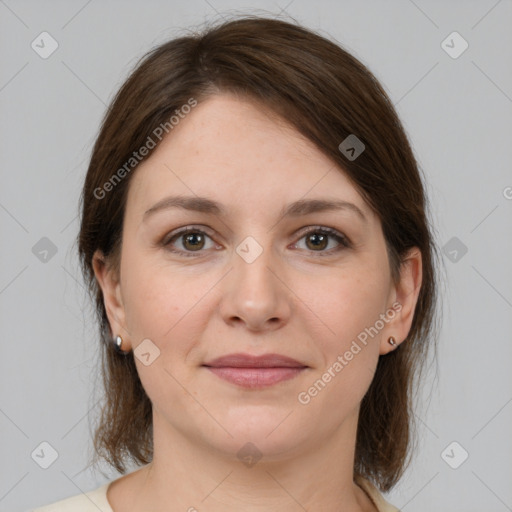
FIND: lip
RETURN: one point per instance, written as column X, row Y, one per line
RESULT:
column 254, row 372
column 248, row 361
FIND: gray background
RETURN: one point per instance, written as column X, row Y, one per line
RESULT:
column 457, row 112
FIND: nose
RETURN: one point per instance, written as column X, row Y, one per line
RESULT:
column 255, row 294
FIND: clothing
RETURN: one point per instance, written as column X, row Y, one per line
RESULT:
column 378, row 500
column 96, row 500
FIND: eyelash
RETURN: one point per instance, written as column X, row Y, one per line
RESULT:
column 341, row 239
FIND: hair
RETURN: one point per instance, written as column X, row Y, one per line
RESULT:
column 326, row 94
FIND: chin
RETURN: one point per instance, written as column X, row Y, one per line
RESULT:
column 273, row 431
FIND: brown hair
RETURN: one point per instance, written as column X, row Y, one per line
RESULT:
column 327, row 95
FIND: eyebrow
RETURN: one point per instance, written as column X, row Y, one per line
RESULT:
column 295, row 209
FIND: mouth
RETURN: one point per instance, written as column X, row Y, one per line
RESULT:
column 255, row 372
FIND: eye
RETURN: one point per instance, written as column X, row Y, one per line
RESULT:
column 192, row 240
column 317, row 240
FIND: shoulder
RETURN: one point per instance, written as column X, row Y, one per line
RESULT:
column 375, row 495
column 90, row 501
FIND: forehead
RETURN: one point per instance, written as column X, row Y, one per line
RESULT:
column 238, row 152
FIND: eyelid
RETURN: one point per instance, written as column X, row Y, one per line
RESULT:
column 324, row 229
column 342, row 239
column 184, row 230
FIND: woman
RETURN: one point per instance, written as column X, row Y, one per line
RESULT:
column 254, row 232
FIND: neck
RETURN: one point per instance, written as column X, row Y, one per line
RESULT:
column 186, row 475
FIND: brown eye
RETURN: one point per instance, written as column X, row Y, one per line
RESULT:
column 188, row 241
column 193, row 241
column 317, row 240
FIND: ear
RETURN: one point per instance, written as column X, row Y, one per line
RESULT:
column 406, row 294
column 112, row 298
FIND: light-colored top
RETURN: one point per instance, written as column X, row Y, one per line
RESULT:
column 96, row 500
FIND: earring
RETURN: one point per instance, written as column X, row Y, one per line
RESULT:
column 118, row 341
column 392, row 341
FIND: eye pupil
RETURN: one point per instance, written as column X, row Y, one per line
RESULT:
column 320, row 240
column 196, row 239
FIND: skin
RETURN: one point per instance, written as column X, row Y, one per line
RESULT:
column 291, row 300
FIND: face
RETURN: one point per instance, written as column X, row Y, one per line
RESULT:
column 253, row 275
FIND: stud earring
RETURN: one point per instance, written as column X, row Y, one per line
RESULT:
column 392, row 341
column 118, row 341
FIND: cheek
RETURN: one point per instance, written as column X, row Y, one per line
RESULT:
column 352, row 307
column 162, row 304
column 348, row 306
column 344, row 303
column 151, row 305
column 348, row 356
